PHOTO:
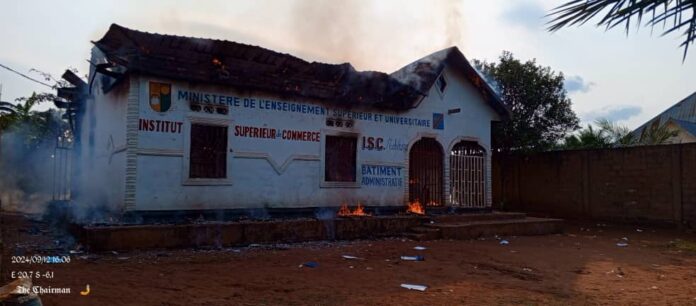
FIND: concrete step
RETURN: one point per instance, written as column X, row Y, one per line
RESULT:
column 417, row 236
column 421, row 233
column 511, row 227
column 478, row 217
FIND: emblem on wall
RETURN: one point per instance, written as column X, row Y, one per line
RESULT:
column 160, row 96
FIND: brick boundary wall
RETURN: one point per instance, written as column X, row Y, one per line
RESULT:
column 653, row 184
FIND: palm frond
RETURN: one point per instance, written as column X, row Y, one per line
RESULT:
column 8, row 110
column 681, row 13
column 658, row 135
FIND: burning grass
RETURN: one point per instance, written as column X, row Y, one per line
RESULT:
column 359, row 211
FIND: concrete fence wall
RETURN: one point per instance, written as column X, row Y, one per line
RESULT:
column 648, row 183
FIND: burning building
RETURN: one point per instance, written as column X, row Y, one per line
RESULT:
column 178, row 123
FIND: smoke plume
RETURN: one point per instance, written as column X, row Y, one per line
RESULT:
column 26, row 173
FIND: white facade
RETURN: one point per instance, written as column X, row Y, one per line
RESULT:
column 136, row 158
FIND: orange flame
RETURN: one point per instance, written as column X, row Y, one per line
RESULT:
column 360, row 211
column 344, row 211
column 416, row 207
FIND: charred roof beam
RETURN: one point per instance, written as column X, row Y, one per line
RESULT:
column 73, row 79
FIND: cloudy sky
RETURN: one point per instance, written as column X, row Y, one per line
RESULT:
column 628, row 79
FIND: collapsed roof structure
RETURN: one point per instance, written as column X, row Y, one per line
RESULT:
column 249, row 68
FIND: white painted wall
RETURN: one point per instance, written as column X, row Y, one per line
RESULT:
column 100, row 165
column 275, row 172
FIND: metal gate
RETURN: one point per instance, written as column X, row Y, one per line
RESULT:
column 468, row 175
column 62, row 165
column 426, row 173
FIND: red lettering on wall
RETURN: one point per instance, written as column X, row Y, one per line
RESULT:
column 372, row 143
column 162, row 126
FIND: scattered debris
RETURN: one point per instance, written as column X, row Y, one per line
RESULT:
column 639, row 230
column 581, row 271
column 504, row 242
column 310, row 264
column 527, row 269
column 621, row 244
column 414, row 287
column 413, row 258
column 350, row 257
column 420, row 248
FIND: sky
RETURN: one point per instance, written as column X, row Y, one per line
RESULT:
column 625, row 78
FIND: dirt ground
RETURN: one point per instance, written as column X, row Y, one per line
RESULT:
column 583, row 266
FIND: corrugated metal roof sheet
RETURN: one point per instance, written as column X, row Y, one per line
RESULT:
column 684, row 111
column 687, row 126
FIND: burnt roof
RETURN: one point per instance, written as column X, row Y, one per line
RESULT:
column 423, row 73
column 248, row 67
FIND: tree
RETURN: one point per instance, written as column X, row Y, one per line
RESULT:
column 34, row 126
column 588, row 138
column 541, row 114
column 618, row 134
column 658, row 135
column 609, row 134
column 681, row 13
column 8, row 112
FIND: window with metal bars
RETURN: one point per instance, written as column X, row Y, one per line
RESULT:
column 208, row 157
column 340, row 159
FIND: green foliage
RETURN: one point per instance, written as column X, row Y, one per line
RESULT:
column 541, row 112
column 609, row 134
column 588, row 138
column 658, row 134
column 33, row 126
column 618, row 134
column 681, row 15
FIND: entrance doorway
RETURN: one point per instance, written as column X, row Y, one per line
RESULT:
column 468, row 175
column 426, row 173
